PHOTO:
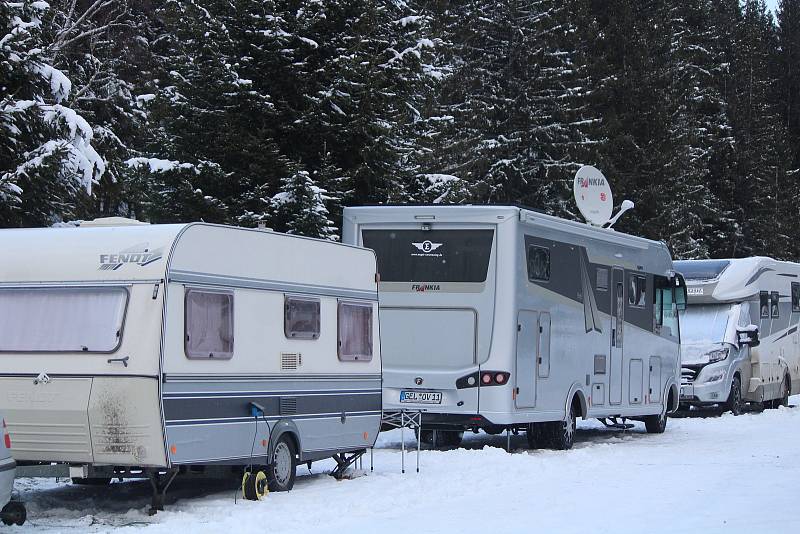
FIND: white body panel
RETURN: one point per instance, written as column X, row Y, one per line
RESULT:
column 6, row 470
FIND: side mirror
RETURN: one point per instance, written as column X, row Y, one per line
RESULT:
column 748, row 336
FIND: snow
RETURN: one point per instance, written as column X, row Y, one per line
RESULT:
column 705, row 474
column 157, row 165
column 60, row 86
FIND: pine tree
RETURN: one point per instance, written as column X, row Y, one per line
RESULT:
column 789, row 74
column 47, row 161
column 299, row 208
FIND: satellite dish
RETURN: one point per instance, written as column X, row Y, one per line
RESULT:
column 593, row 195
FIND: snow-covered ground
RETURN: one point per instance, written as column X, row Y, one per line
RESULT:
column 711, row 474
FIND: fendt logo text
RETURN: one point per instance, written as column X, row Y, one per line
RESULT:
column 139, row 254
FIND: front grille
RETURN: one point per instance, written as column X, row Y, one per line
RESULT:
column 689, row 373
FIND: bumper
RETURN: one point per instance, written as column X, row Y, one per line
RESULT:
column 705, row 393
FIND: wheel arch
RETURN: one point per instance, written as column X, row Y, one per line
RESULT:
column 286, row 427
column 576, row 393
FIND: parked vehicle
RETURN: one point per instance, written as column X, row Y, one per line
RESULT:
column 11, row 512
column 740, row 333
column 137, row 350
column 501, row 318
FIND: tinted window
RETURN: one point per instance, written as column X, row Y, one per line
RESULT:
column 701, row 269
column 775, row 309
column 301, row 318
column 602, row 279
column 209, row 324
column 432, row 255
column 538, row 263
column 795, row 296
column 637, row 291
column 763, row 303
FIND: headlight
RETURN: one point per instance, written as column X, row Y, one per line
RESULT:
column 716, row 377
column 717, row 355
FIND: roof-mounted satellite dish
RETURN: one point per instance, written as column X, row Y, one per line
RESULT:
column 593, row 195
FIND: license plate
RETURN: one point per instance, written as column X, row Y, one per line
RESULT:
column 421, row 397
column 687, row 392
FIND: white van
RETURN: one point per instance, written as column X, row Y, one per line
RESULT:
column 739, row 333
column 12, row 512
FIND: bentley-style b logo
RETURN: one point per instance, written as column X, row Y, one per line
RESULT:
column 427, row 246
column 418, row 381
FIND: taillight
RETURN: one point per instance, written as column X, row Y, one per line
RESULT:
column 485, row 378
column 6, row 437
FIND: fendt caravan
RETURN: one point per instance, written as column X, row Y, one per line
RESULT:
column 158, row 350
column 501, row 318
column 740, row 333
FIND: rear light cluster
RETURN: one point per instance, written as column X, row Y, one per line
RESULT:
column 484, row 378
column 6, row 437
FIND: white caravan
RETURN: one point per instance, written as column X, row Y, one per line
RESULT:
column 739, row 332
column 155, row 350
column 501, row 318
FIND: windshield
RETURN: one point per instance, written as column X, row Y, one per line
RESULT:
column 704, row 323
column 431, row 255
column 86, row 319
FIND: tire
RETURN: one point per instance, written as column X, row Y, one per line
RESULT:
column 282, row 469
column 784, row 399
column 735, row 403
column 100, row 481
column 562, row 433
column 14, row 513
column 656, row 424
column 447, row 439
column 536, row 434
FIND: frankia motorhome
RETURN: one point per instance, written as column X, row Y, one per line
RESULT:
column 500, row 318
column 739, row 332
column 158, row 350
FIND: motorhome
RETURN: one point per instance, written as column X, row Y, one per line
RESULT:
column 739, row 333
column 155, row 350
column 502, row 318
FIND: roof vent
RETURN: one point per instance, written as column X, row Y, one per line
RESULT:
column 112, row 221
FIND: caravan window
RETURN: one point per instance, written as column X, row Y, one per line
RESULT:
column 602, row 279
column 637, row 291
column 538, row 263
column 775, row 309
column 795, row 297
column 301, row 318
column 763, row 298
column 80, row 319
column 355, row 331
column 209, row 324
column 664, row 309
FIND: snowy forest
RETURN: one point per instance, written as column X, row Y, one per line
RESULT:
column 282, row 111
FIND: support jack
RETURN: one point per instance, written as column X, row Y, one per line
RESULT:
column 160, row 484
column 344, row 461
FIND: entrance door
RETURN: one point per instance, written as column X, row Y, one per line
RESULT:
column 544, row 345
column 617, row 336
column 525, row 375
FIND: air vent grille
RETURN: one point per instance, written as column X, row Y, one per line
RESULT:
column 291, row 361
column 288, row 405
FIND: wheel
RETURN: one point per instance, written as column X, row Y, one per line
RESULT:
column 442, row 438
column 98, row 481
column 656, row 424
column 254, row 486
column 783, row 400
column 281, row 471
column 536, row 434
column 562, row 433
column 735, row 403
column 14, row 513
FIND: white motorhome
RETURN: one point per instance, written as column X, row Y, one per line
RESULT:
column 157, row 350
column 501, row 318
column 740, row 332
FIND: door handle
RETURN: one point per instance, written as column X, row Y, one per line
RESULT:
column 613, row 337
column 540, row 360
column 123, row 361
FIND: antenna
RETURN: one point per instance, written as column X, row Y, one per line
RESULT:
column 626, row 205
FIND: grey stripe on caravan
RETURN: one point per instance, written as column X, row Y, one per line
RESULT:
column 273, row 285
column 250, row 394
column 250, row 420
column 254, row 378
column 8, row 466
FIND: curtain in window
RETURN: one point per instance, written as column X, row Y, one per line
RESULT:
column 355, row 332
column 209, row 324
column 61, row 319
